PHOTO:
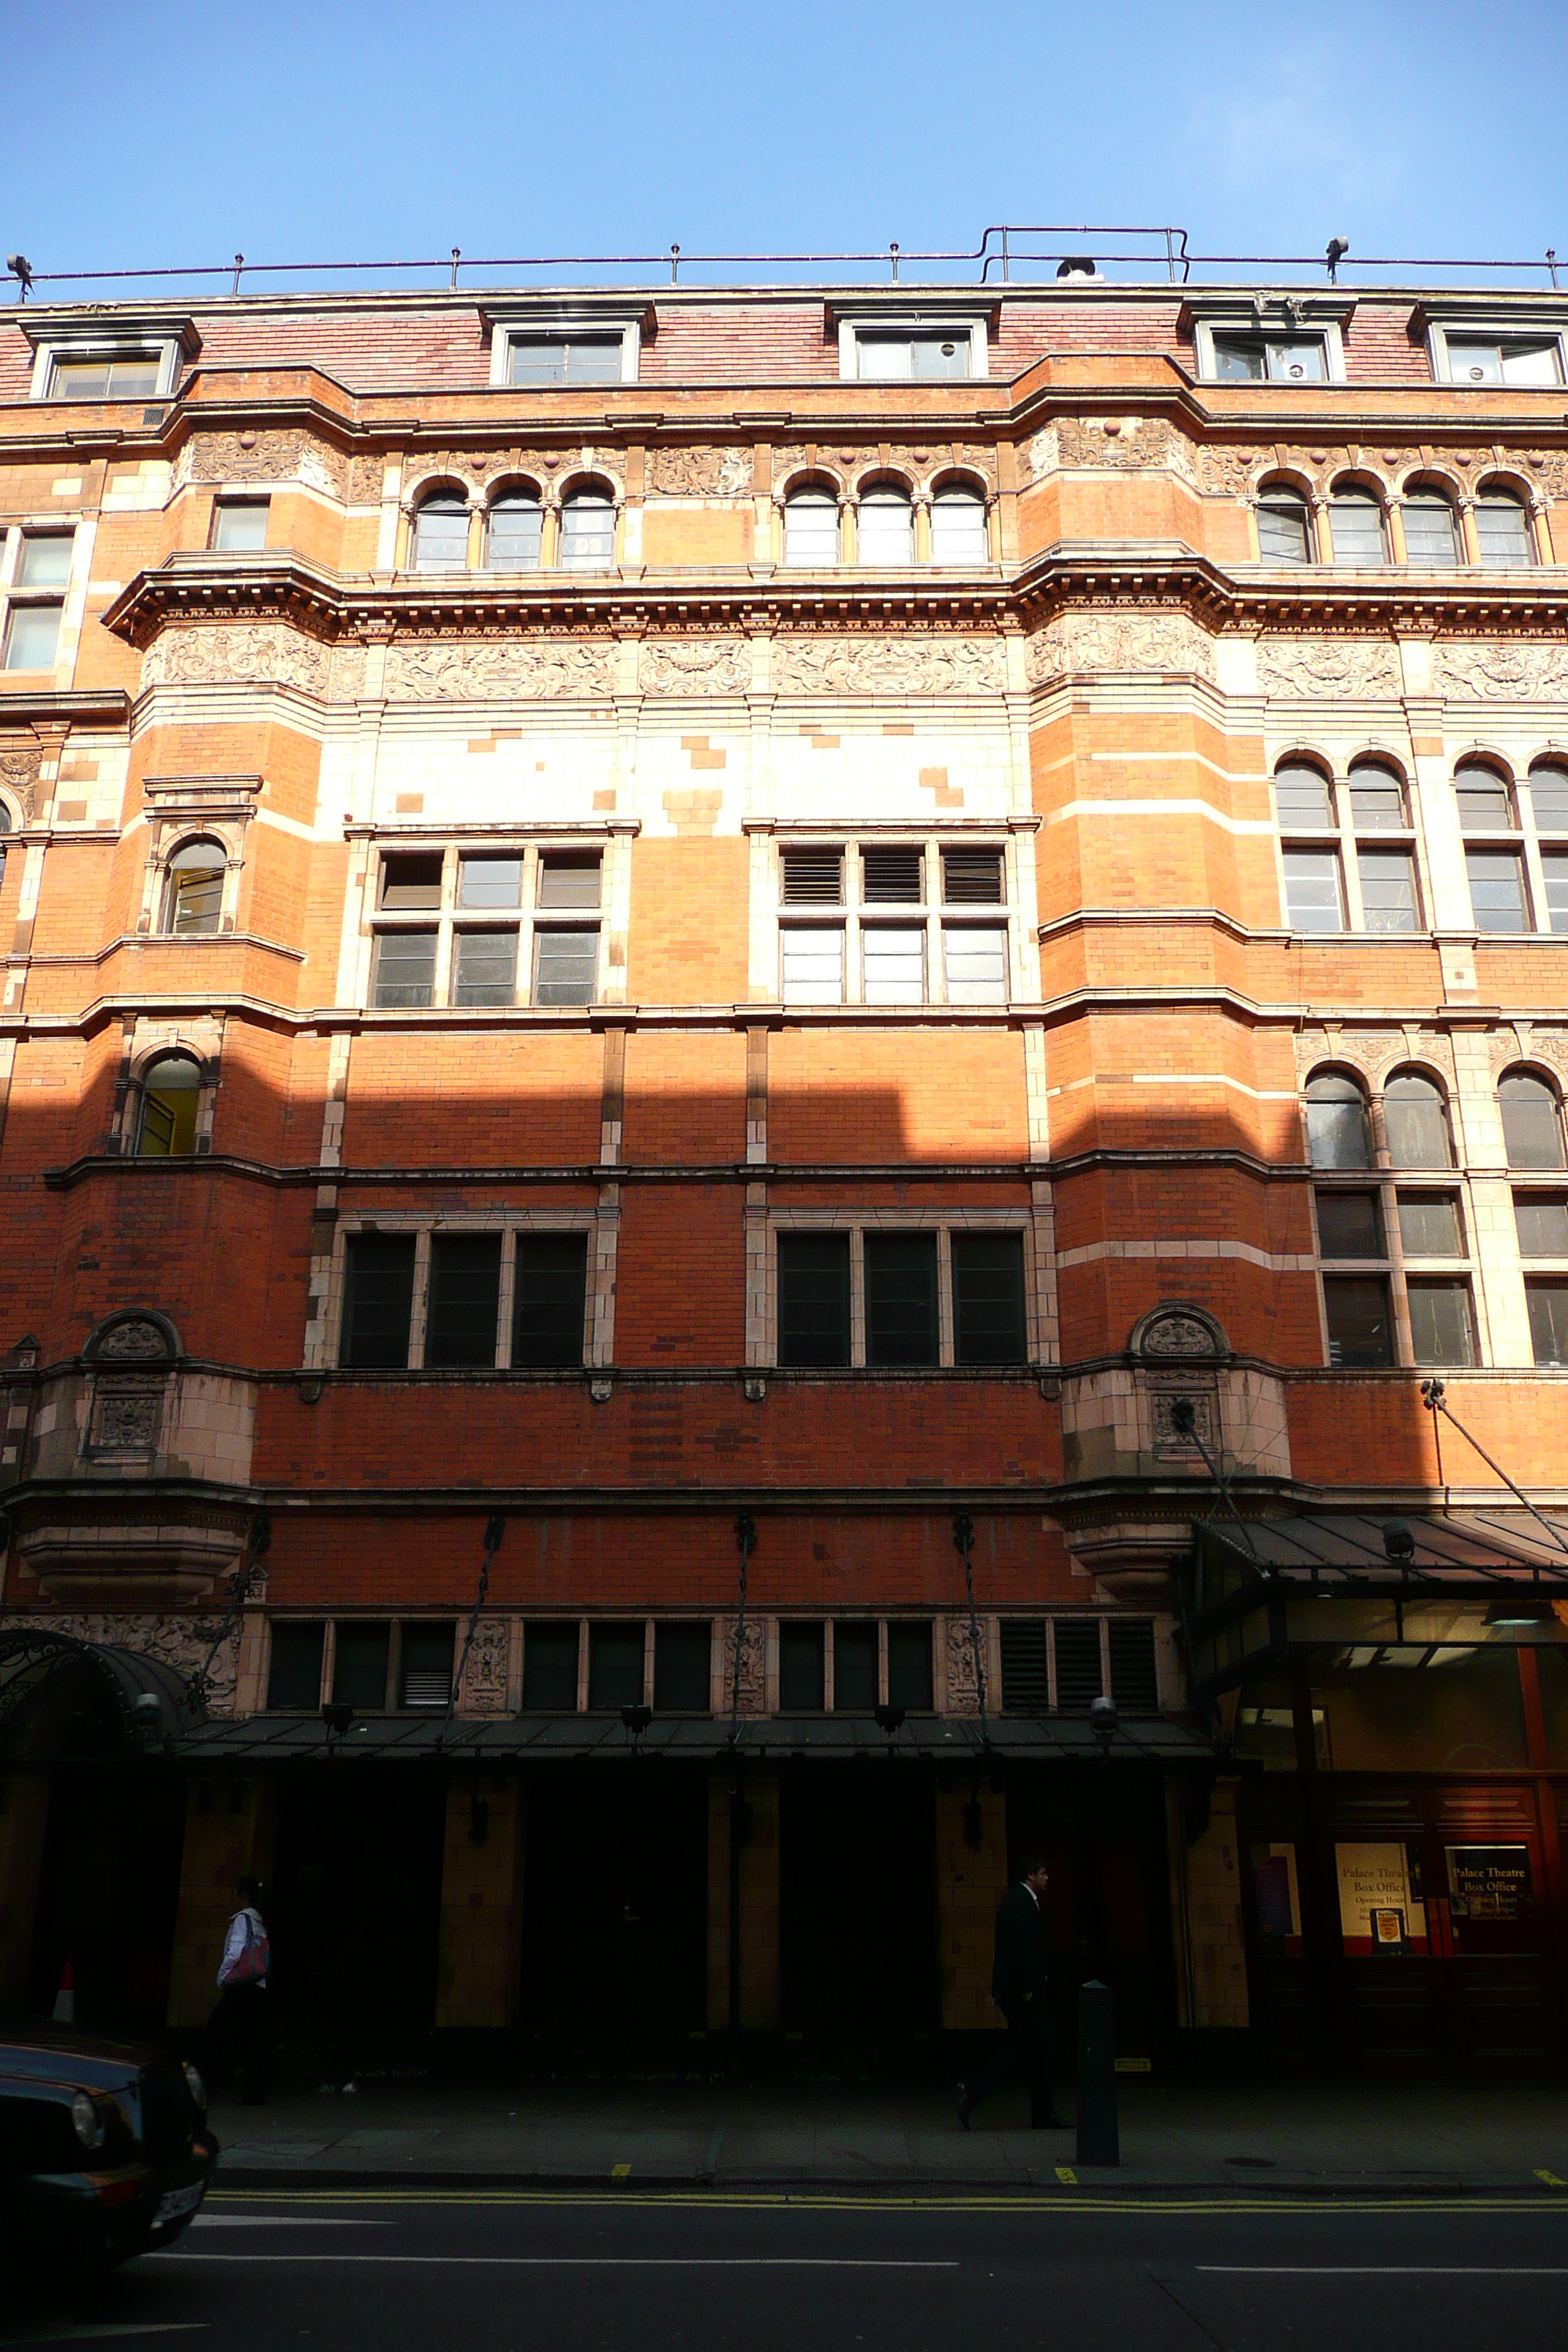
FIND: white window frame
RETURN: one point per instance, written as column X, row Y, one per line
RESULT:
column 930, row 913
column 168, row 345
column 562, row 326
column 1346, row 841
column 972, row 323
column 1483, row 329
column 1269, row 328
column 16, row 597
column 448, row 919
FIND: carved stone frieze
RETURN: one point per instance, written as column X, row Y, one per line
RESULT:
column 367, row 477
column 136, row 1340
column 1119, row 641
column 1177, row 1333
column 19, row 775
column 1328, row 668
column 1127, row 443
column 962, row 1686
column 888, row 665
column 258, row 653
column 272, row 456
column 127, row 1416
column 181, row 1641
column 701, row 473
column 1040, row 454
column 695, row 666
column 1526, row 1041
column 754, row 1665
column 347, row 673
column 484, row 1689
column 463, row 667
column 1510, row 672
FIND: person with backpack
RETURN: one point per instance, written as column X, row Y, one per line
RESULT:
column 240, row 2030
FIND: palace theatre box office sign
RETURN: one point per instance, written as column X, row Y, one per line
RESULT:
column 1396, row 1697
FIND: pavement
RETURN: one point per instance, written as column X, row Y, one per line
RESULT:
column 1347, row 2138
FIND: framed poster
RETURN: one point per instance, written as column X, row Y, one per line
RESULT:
column 1382, row 1914
column 1488, row 1883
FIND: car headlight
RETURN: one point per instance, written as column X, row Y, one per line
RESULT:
column 86, row 2121
column 196, row 2088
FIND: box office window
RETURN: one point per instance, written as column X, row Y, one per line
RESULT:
column 683, row 1668
column 910, row 1682
column 378, row 1299
column 362, row 1658
column 813, row 1299
column 971, row 877
column 900, row 1299
column 550, row 1299
column 1361, row 1329
column 464, row 1297
column 294, row 1671
column 801, row 1676
column 1078, row 1675
column 1134, row 1674
column 855, row 1670
column 424, row 1665
column 1026, row 1666
column 550, row 1668
column 616, row 1665
column 988, row 1298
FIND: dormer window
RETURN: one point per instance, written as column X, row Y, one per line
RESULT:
column 1269, row 359
column 1469, row 350
column 132, row 377
column 879, row 347
column 563, row 359
column 544, row 347
column 1504, row 359
column 918, row 358
column 87, row 357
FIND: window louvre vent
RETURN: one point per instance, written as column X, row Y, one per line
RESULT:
column 1134, row 1681
column 971, row 877
column 1078, row 1661
column 812, row 877
column 1025, row 1675
column 893, row 876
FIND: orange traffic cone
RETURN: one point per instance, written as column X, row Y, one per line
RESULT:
column 65, row 1999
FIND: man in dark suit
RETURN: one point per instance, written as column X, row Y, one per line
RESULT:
column 1019, row 1990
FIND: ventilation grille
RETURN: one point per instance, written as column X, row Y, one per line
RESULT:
column 1078, row 1661
column 812, row 877
column 892, row 877
column 971, row 877
column 1026, row 1675
column 1134, row 1683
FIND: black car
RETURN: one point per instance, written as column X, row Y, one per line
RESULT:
column 105, row 2150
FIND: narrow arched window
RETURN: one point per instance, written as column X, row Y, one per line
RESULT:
column 958, row 527
column 886, row 525
column 811, row 527
column 1377, row 799
column 1338, row 1135
column 192, row 900
column 1532, row 1122
column 1284, row 527
column 1356, row 520
column 441, row 534
column 515, row 528
column 1502, row 528
column 588, row 531
column 1416, row 1119
column 169, row 1096
column 1431, row 536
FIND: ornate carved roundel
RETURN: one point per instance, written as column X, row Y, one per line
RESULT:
column 137, row 1335
column 1177, row 1330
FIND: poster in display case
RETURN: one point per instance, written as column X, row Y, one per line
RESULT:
column 1382, row 1915
column 1488, row 1885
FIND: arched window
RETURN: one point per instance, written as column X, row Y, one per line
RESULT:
column 588, row 530
column 192, row 900
column 1305, row 804
column 811, row 526
column 1502, row 527
column 1284, row 525
column 1355, row 518
column 886, row 525
column 1548, row 796
column 169, row 1094
column 1431, row 535
column 1532, row 1122
column 1486, row 805
column 441, row 534
column 1417, row 1123
column 1338, row 1135
column 513, row 530
column 1377, row 798
column 958, row 527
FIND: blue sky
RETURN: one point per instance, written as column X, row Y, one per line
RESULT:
column 163, row 132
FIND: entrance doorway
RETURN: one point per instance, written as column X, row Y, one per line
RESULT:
column 858, row 1906
column 354, row 1914
column 108, row 1895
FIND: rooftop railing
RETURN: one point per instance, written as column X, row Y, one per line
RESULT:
column 1006, row 252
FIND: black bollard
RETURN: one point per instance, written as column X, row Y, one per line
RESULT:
column 1096, row 2137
